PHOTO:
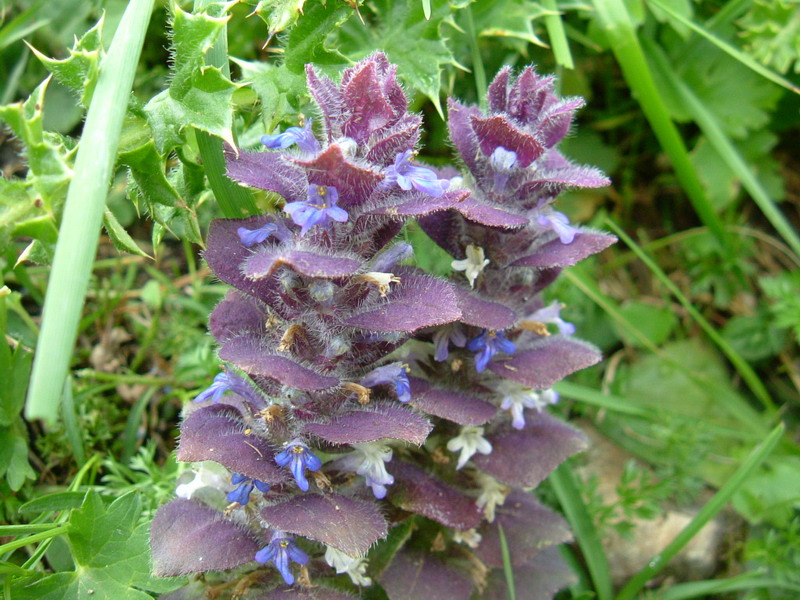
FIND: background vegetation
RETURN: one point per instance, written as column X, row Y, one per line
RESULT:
column 692, row 109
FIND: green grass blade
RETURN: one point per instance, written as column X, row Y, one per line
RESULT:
column 746, row 581
column 749, row 376
column 569, row 496
column 614, row 19
column 735, row 406
column 558, row 38
column 723, row 145
column 426, row 9
column 708, row 512
column 508, row 570
column 606, row 401
column 36, row 537
column 234, row 201
column 477, row 62
column 83, row 214
column 744, row 58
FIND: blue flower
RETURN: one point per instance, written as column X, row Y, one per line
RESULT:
column 222, row 383
column 302, row 136
column 319, row 209
column 282, row 551
column 487, row 344
column 396, row 374
column 503, row 161
column 557, row 221
column 251, row 237
column 300, row 457
column 444, row 336
column 406, row 175
column 245, row 484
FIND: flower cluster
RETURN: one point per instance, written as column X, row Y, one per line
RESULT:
column 331, row 432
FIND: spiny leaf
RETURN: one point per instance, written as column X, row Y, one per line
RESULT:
column 415, row 44
column 81, row 68
column 279, row 14
column 306, row 43
column 199, row 95
column 49, row 170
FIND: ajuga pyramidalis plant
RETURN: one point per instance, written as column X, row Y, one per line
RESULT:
column 374, row 420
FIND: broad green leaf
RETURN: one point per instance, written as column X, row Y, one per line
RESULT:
column 80, row 70
column 49, row 171
column 773, row 494
column 655, row 323
column 112, row 555
column 716, row 78
column 723, row 183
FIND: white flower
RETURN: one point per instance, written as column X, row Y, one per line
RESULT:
column 518, row 397
column 204, row 474
column 493, row 494
column 381, row 280
column 473, row 265
column 469, row 441
column 552, row 314
column 470, row 537
column 356, row 568
column 373, row 457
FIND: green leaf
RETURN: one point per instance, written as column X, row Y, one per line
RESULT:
column 512, row 19
column 147, row 172
column 279, row 90
column 417, row 45
column 279, row 14
column 771, row 33
column 49, row 171
column 307, row 39
column 724, row 183
column 112, row 556
column 384, row 551
column 199, row 95
column 53, row 502
column 19, row 469
column 654, row 323
column 81, row 69
column 121, row 239
column 15, row 366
